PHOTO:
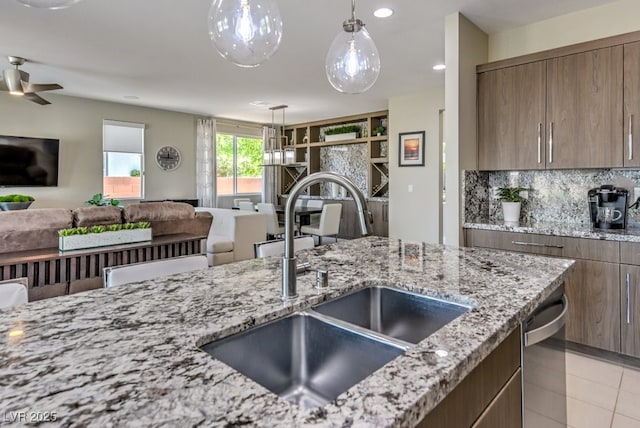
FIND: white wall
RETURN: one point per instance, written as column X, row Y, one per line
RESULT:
column 415, row 216
column 465, row 47
column 603, row 21
column 77, row 122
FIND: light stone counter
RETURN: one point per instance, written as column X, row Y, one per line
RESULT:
column 129, row 356
column 557, row 229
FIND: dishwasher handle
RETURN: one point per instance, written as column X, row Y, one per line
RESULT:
column 544, row 332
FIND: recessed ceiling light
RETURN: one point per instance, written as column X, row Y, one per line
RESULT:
column 131, row 97
column 383, row 12
column 439, row 67
column 259, row 103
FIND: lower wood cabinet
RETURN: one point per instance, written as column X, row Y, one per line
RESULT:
column 594, row 299
column 380, row 212
column 630, row 309
column 490, row 396
column 593, row 289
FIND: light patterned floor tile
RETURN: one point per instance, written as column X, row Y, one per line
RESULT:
column 585, row 415
column 630, row 380
column 621, row 421
column 591, row 392
column 628, row 404
column 593, row 369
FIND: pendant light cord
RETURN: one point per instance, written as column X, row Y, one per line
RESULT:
column 353, row 10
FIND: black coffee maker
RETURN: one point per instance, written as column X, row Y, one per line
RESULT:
column 608, row 207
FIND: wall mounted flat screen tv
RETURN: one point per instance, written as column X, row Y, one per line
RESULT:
column 26, row 161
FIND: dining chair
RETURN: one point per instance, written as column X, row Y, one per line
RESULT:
column 274, row 229
column 329, row 223
column 13, row 292
column 246, row 206
column 120, row 275
column 276, row 247
column 314, row 219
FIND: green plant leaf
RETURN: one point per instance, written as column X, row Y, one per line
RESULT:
column 511, row 194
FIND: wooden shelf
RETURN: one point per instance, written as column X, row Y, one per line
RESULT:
column 378, row 170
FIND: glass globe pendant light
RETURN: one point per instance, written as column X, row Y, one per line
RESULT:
column 352, row 63
column 245, row 32
column 49, row 4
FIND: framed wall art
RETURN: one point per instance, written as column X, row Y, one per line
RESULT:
column 411, row 149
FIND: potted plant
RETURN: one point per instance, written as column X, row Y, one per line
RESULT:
column 346, row 132
column 99, row 201
column 15, row 202
column 379, row 130
column 76, row 238
column 511, row 204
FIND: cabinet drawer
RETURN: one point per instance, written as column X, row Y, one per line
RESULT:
column 505, row 410
column 514, row 241
column 591, row 249
column 630, row 253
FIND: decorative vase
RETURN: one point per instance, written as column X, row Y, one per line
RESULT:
column 511, row 213
column 11, row 206
column 340, row 137
column 91, row 240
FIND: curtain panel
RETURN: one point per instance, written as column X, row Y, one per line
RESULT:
column 206, row 162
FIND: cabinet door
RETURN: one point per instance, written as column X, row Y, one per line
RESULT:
column 380, row 213
column 632, row 104
column 584, row 109
column 630, row 309
column 511, row 120
column 594, row 305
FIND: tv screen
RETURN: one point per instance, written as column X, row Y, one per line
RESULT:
column 26, row 161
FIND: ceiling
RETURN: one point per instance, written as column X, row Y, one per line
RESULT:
column 159, row 51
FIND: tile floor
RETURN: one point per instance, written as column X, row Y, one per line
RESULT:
column 601, row 394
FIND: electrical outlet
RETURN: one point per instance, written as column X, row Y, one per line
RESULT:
column 636, row 193
column 525, row 194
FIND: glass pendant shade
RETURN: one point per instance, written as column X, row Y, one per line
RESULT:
column 352, row 63
column 49, row 4
column 245, row 32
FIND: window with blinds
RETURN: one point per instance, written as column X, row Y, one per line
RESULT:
column 123, row 160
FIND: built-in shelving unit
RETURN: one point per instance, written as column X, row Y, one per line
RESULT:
column 308, row 138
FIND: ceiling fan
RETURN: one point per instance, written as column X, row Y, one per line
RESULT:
column 16, row 82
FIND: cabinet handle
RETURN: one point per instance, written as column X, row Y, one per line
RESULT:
column 539, row 142
column 628, row 282
column 630, row 137
column 535, row 244
column 550, row 142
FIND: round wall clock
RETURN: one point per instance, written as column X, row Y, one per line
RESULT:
column 168, row 158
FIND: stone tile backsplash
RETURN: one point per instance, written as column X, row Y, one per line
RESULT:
column 556, row 196
column 350, row 160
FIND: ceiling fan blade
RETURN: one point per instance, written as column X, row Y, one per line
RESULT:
column 36, row 98
column 39, row 87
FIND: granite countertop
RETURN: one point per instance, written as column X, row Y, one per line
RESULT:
column 129, row 355
column 631, row 234
column 339, row 198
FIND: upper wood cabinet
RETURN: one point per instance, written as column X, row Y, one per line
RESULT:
column 574, row 100
column 632, row 104
column 584, row 109
column 511, row 118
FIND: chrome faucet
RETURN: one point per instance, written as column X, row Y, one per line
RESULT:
column 289, row 260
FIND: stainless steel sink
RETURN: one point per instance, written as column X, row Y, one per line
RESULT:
column 304, row 358
column 395, row 313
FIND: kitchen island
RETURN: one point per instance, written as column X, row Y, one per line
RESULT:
column 129, row 355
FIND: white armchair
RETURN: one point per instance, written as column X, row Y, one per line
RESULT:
column 232, row 234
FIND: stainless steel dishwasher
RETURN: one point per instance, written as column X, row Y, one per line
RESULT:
column 544, row 389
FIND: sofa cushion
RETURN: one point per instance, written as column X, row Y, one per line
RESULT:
column 35, row 219
column 91, row 216
column 219, row 244
column 158, row 211
column 33, row 228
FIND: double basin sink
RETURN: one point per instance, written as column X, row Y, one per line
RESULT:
column 309, row 358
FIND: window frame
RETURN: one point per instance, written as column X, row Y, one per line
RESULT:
column 136, row 125
column 235, row 137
